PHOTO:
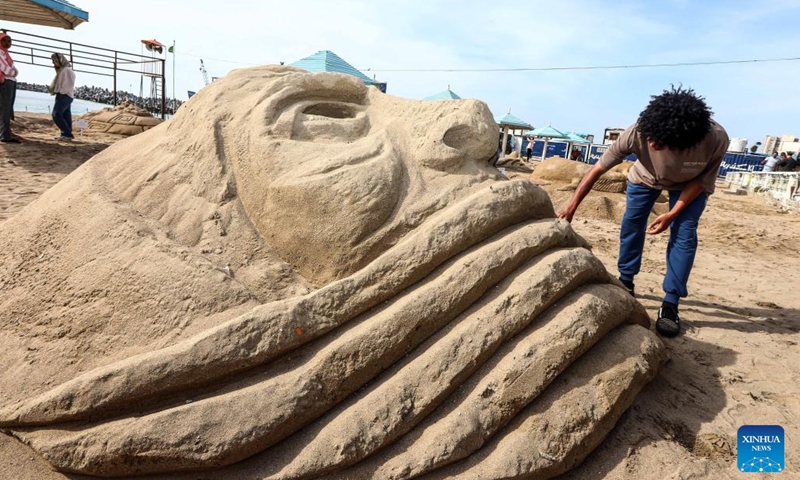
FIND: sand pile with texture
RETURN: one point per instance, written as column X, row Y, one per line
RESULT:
column 606, row 201
column 299, row 276
column 124, row 119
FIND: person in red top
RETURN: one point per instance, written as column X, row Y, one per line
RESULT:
column 679, row 148
column 8, row 87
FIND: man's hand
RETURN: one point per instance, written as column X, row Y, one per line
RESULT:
column 662, row 223
column 566, row 214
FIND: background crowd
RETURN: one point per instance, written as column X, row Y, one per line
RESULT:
column 785, row 162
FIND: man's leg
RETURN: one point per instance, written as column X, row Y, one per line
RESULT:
column 682, row 247
column 13, row 98
column 6, row 107
column 639, row 204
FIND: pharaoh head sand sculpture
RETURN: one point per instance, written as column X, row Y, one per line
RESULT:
column 301, row 277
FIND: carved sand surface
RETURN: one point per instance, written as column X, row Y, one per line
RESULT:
column 561, row 170
column 560, row 177
column 300, row 277
column 124, row 119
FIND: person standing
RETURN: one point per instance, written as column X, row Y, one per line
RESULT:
column 679, row 148
column 8, row 88
column 529, row 150
column 63, row 87
column 771, row 162
column 787, row 163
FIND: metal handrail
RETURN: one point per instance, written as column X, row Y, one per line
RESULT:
column 26, row 50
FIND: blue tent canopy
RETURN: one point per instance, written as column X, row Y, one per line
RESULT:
column 446, row 95
column 50, row 13
column 327, row 61
column 575, row 138
column 512, row 121
column 547, row 131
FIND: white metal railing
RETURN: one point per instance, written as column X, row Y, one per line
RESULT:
column 779, row 186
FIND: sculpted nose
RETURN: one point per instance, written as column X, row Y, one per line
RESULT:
column 464, row 132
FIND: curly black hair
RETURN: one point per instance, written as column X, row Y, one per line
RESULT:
column 677, row 119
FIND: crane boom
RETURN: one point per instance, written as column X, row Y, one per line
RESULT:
column 204, row 71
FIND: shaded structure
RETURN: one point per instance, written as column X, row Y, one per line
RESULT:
column 577, row 142
column 547, row 133
column 511, row 123
column 445, row 95
column 50, row 13
column 327, row 61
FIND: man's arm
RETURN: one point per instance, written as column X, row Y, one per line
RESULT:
column 583, row 189
column 613, row 156
column 705, row 182
column 689, row 193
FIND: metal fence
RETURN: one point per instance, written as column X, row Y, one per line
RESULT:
column 36, row 50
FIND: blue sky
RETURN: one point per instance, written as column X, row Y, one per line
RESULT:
column 750, row 100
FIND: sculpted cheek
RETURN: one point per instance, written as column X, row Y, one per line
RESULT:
column 315, row 222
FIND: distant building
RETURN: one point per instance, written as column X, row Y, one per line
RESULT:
column 770, row 144
column 788, row 143
column 738, row 145
column 793, row 147
column 610, row 135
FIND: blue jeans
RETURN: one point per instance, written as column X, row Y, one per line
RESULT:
column 682, row 238
column 62, row 115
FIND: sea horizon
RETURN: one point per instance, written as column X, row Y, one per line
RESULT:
column 39, row 102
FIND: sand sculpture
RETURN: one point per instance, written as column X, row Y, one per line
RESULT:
column 124, row 119
column 570, row 172
column 560, row 177
column 301, row 277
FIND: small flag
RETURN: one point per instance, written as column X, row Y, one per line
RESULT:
column 171, row 49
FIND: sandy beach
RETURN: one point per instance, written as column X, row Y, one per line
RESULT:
column 736, row 364
column 30, row 168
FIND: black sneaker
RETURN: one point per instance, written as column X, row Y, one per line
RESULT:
column 628, row 286
column 668, row 323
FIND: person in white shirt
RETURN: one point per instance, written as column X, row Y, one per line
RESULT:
column 63, row 87
column 8, row 88
column 770, row 162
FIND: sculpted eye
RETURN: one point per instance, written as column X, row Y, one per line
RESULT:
column 330, row 110
column 330, row 122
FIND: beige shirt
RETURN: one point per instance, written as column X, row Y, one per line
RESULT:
column 65, row 82
column 667, row 169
